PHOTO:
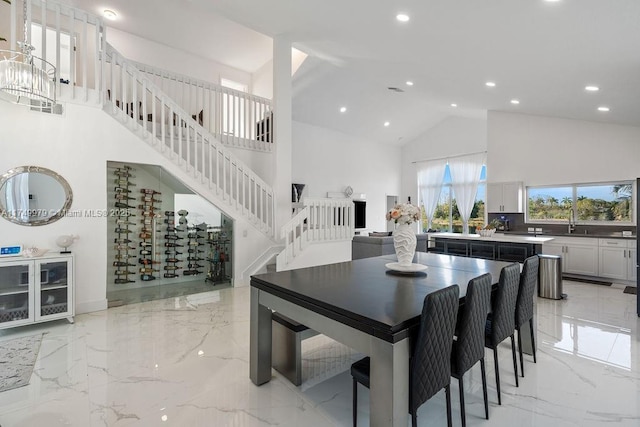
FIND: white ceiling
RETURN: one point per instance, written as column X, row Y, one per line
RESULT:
column 539, row 52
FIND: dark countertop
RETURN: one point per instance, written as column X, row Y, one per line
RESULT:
column 613, row 235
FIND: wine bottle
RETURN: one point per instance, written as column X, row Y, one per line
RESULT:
column 172, row 237
column 172, row 252
column 145, row 252
column 170, row 275
column 124, row 256
column 193, row 266
column 122, row 230
column 145, row 261
column 124, row 182
column 123, row 197
column 145, row 235
column 149, row 191
column 172, row 245
column 197, row 251
column 121, row 281
column 147, row 277
column 169, row 213
column 147, row 208
column 122, row 205
column 122, row 264
column 123, row 248
column 172, row 267
column 121, row 190
column 148, row 270
column 121, row 241
column 123, row 272
column 124, row 222
column 150, row 199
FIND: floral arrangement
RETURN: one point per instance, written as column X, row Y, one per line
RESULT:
column 403, row 213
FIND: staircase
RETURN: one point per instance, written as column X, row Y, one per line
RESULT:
column 194, row 134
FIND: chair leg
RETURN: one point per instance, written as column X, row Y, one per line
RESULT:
column 447, row 391
column 414, row 419
column 495, row 362
column 484, row 388
column 355, row 403
column 461, row 387
column 515, row 361
column 520, row 351
column 533, row 340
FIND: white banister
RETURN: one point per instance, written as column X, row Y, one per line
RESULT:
column 236, row 118
column 180, row 138
column 321, row 220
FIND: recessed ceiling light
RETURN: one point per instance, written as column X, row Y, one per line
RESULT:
column 515, row 102
column 386, row 124
column 109, row 14
column 402, row 17
column 552, row 1
column 409, row 83
column 343, row 109
column 604, row 109
column 591, row 88
column 490, row 84
column 454, row 105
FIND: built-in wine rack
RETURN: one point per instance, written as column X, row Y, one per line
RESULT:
column 219, row 255
column 148, row 234
column 124, row 243
column 196, row 235
column 172, row 238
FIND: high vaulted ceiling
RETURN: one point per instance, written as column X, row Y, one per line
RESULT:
column 538, row 52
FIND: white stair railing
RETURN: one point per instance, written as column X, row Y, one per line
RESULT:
column 139, row 103
column 321, row 220
column 235, row 118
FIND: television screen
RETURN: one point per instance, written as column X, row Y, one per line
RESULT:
column 360, row 214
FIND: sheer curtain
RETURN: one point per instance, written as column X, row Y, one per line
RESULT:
column 430, row 180
column 465, row 176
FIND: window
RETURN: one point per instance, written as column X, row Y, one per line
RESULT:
column 447, row 217
column 586, row 203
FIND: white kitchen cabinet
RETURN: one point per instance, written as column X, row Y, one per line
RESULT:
column 579, row 254
column 36, row 290
column 504, row 197
column 632, row 261
column 618, row 259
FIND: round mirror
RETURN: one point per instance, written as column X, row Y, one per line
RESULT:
column 31, row 195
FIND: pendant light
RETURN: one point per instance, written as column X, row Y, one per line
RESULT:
column 25, row 78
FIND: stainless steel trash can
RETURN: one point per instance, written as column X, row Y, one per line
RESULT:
column 550, row 277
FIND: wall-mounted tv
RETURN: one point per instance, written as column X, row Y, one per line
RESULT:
column 360, row 211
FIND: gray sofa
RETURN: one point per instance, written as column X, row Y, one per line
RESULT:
column 370, row 246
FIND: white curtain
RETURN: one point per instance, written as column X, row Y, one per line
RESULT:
column 465, row 176
column 430, row 180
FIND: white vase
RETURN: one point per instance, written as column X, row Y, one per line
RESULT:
column 404, row 242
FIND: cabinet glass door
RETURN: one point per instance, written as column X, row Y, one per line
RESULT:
column 53, row 294
column 15, row 293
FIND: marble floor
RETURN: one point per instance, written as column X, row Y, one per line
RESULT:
column 183, row 361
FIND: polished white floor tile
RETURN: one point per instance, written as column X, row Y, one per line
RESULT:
column 183, row 361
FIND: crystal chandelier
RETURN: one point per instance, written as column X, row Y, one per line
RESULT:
column 25, row 78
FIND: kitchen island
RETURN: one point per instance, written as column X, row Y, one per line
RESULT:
column 499, row 247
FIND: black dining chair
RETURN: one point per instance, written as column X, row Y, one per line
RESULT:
column 524, row 303
column 468, row 347
column 501, row 321
column 430, row 363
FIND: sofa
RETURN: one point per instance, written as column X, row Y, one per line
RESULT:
column 380, row 244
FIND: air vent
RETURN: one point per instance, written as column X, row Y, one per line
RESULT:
column 395, row 89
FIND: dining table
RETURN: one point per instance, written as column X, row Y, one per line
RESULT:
column 367, row 304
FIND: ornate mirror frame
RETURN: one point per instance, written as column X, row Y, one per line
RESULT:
column 36, row 169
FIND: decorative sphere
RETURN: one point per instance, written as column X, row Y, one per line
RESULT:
column 64, row 241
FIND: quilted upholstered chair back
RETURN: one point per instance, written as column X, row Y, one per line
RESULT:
column 528, row 285
column 504, row 304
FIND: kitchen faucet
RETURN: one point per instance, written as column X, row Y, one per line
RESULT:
column 572, row 222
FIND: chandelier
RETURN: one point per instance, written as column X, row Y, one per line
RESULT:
column 25, row 78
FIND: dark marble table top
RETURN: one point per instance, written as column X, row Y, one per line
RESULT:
column 366, row 295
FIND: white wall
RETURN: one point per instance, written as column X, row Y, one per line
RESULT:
column 165, row 57
column 546, row 150
column 78, row 145
column 451, row 137
column 329, row 161
column 262, row 81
